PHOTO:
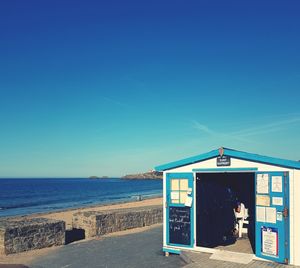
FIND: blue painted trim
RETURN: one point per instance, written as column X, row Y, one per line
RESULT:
column 190, row 177
column 232, row 153
column 284, row 252
column 172, row 250
column 287, row 223
column 223, row 169
column 188, row 161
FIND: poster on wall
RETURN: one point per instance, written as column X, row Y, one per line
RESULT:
column 271, row 215
column 260, row 214
column 269, row 241
column 277, row 201
column 277, row 184
column 262, row 183
column 263, row 200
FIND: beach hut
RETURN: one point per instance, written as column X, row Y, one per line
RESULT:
column 199, row 194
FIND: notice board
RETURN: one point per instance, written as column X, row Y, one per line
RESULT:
column 180, row 225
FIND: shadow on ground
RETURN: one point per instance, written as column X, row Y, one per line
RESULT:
column 74, row 235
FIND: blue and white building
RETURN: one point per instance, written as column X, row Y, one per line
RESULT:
column 270, row 188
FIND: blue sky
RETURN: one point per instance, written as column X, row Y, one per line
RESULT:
column 115, row 87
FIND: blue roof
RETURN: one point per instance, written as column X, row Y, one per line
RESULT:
column 232, row 153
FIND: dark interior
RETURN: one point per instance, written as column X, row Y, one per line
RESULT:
column 217, row 194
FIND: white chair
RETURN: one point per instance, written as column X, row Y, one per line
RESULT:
column 243, row 215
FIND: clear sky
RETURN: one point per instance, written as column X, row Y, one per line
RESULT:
column 115, row 87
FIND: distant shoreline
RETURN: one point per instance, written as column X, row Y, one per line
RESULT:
column 56, row 195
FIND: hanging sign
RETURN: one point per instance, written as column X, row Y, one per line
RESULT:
column 269, row 241
column 223, row 161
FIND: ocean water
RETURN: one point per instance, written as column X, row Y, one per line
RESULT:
column 28, row 196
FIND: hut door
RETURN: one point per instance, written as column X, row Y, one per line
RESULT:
column 271, row 220
column 179, row 209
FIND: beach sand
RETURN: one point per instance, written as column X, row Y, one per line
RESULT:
column 68, row 214
column 27, row 257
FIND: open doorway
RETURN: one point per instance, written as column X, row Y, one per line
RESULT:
column 217, row 194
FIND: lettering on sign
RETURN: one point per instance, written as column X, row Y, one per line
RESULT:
column 223, row 161
column 262, row 183
column 180, row 225
column 269, row 241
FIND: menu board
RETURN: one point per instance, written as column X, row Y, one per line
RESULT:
column 180, row 225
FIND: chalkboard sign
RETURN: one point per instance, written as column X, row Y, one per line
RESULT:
column 180, row 225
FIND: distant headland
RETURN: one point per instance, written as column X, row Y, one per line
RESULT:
column 149, row 175
column 155, row 175
column 96, row 177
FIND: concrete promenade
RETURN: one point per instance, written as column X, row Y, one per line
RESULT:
column 202, row 260
column 133, row 249
column 142, row 249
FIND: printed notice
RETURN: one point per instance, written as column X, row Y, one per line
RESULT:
column 262, row 183
column 174, row 195
column 279, row 216
column 263, row 200
column 269, row 241
column 277, row 201
column 188, row 201
column 183, row 196
column 260, row 214
column 277, row 184
column 271, row 215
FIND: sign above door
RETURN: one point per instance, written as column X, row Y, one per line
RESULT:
column 223, row 161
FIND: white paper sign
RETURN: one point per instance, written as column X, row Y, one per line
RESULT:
column 188, row 201
column 174, row 195
column 262, row 184
column 260, row 214
column 271, row 215
column 277, row 201
column 269, row 242
column 277, row 184
column 263, row 200
column 279, row 216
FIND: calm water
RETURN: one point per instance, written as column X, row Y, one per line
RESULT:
column 27, row 196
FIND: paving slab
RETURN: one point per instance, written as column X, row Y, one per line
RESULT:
column 134, row 250
column 199, row 259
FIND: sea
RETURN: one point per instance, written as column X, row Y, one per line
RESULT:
column 19, row 197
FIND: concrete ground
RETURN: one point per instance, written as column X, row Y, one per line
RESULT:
column 135, row 248
column 143, row 249
column 202, row 260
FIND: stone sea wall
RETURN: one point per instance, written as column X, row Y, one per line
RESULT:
column 27, row 234
column 100, row 223
column 23, row 235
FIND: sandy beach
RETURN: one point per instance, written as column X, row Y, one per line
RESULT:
column 66, row 215
column 27, row 257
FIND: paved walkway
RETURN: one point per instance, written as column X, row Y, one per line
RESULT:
column 134, row 250
column 142, row 249
column 199, row 259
